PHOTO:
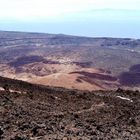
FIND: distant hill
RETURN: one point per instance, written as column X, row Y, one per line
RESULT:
column 70, row 61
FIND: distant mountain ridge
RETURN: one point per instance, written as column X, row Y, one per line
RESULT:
column 51, row 58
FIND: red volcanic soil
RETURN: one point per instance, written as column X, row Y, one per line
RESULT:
column 96, row 76
column 86, row 79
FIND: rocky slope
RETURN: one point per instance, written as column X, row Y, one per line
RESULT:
column 34, row 112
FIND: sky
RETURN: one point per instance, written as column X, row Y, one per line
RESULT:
column 97, row 18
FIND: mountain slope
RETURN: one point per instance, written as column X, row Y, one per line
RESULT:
column 40, row 112
column 35, row 57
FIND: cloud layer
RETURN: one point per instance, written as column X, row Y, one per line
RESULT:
column 47, row 9
column 115, row 18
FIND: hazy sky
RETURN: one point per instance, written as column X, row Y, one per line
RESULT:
column 116, row 18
